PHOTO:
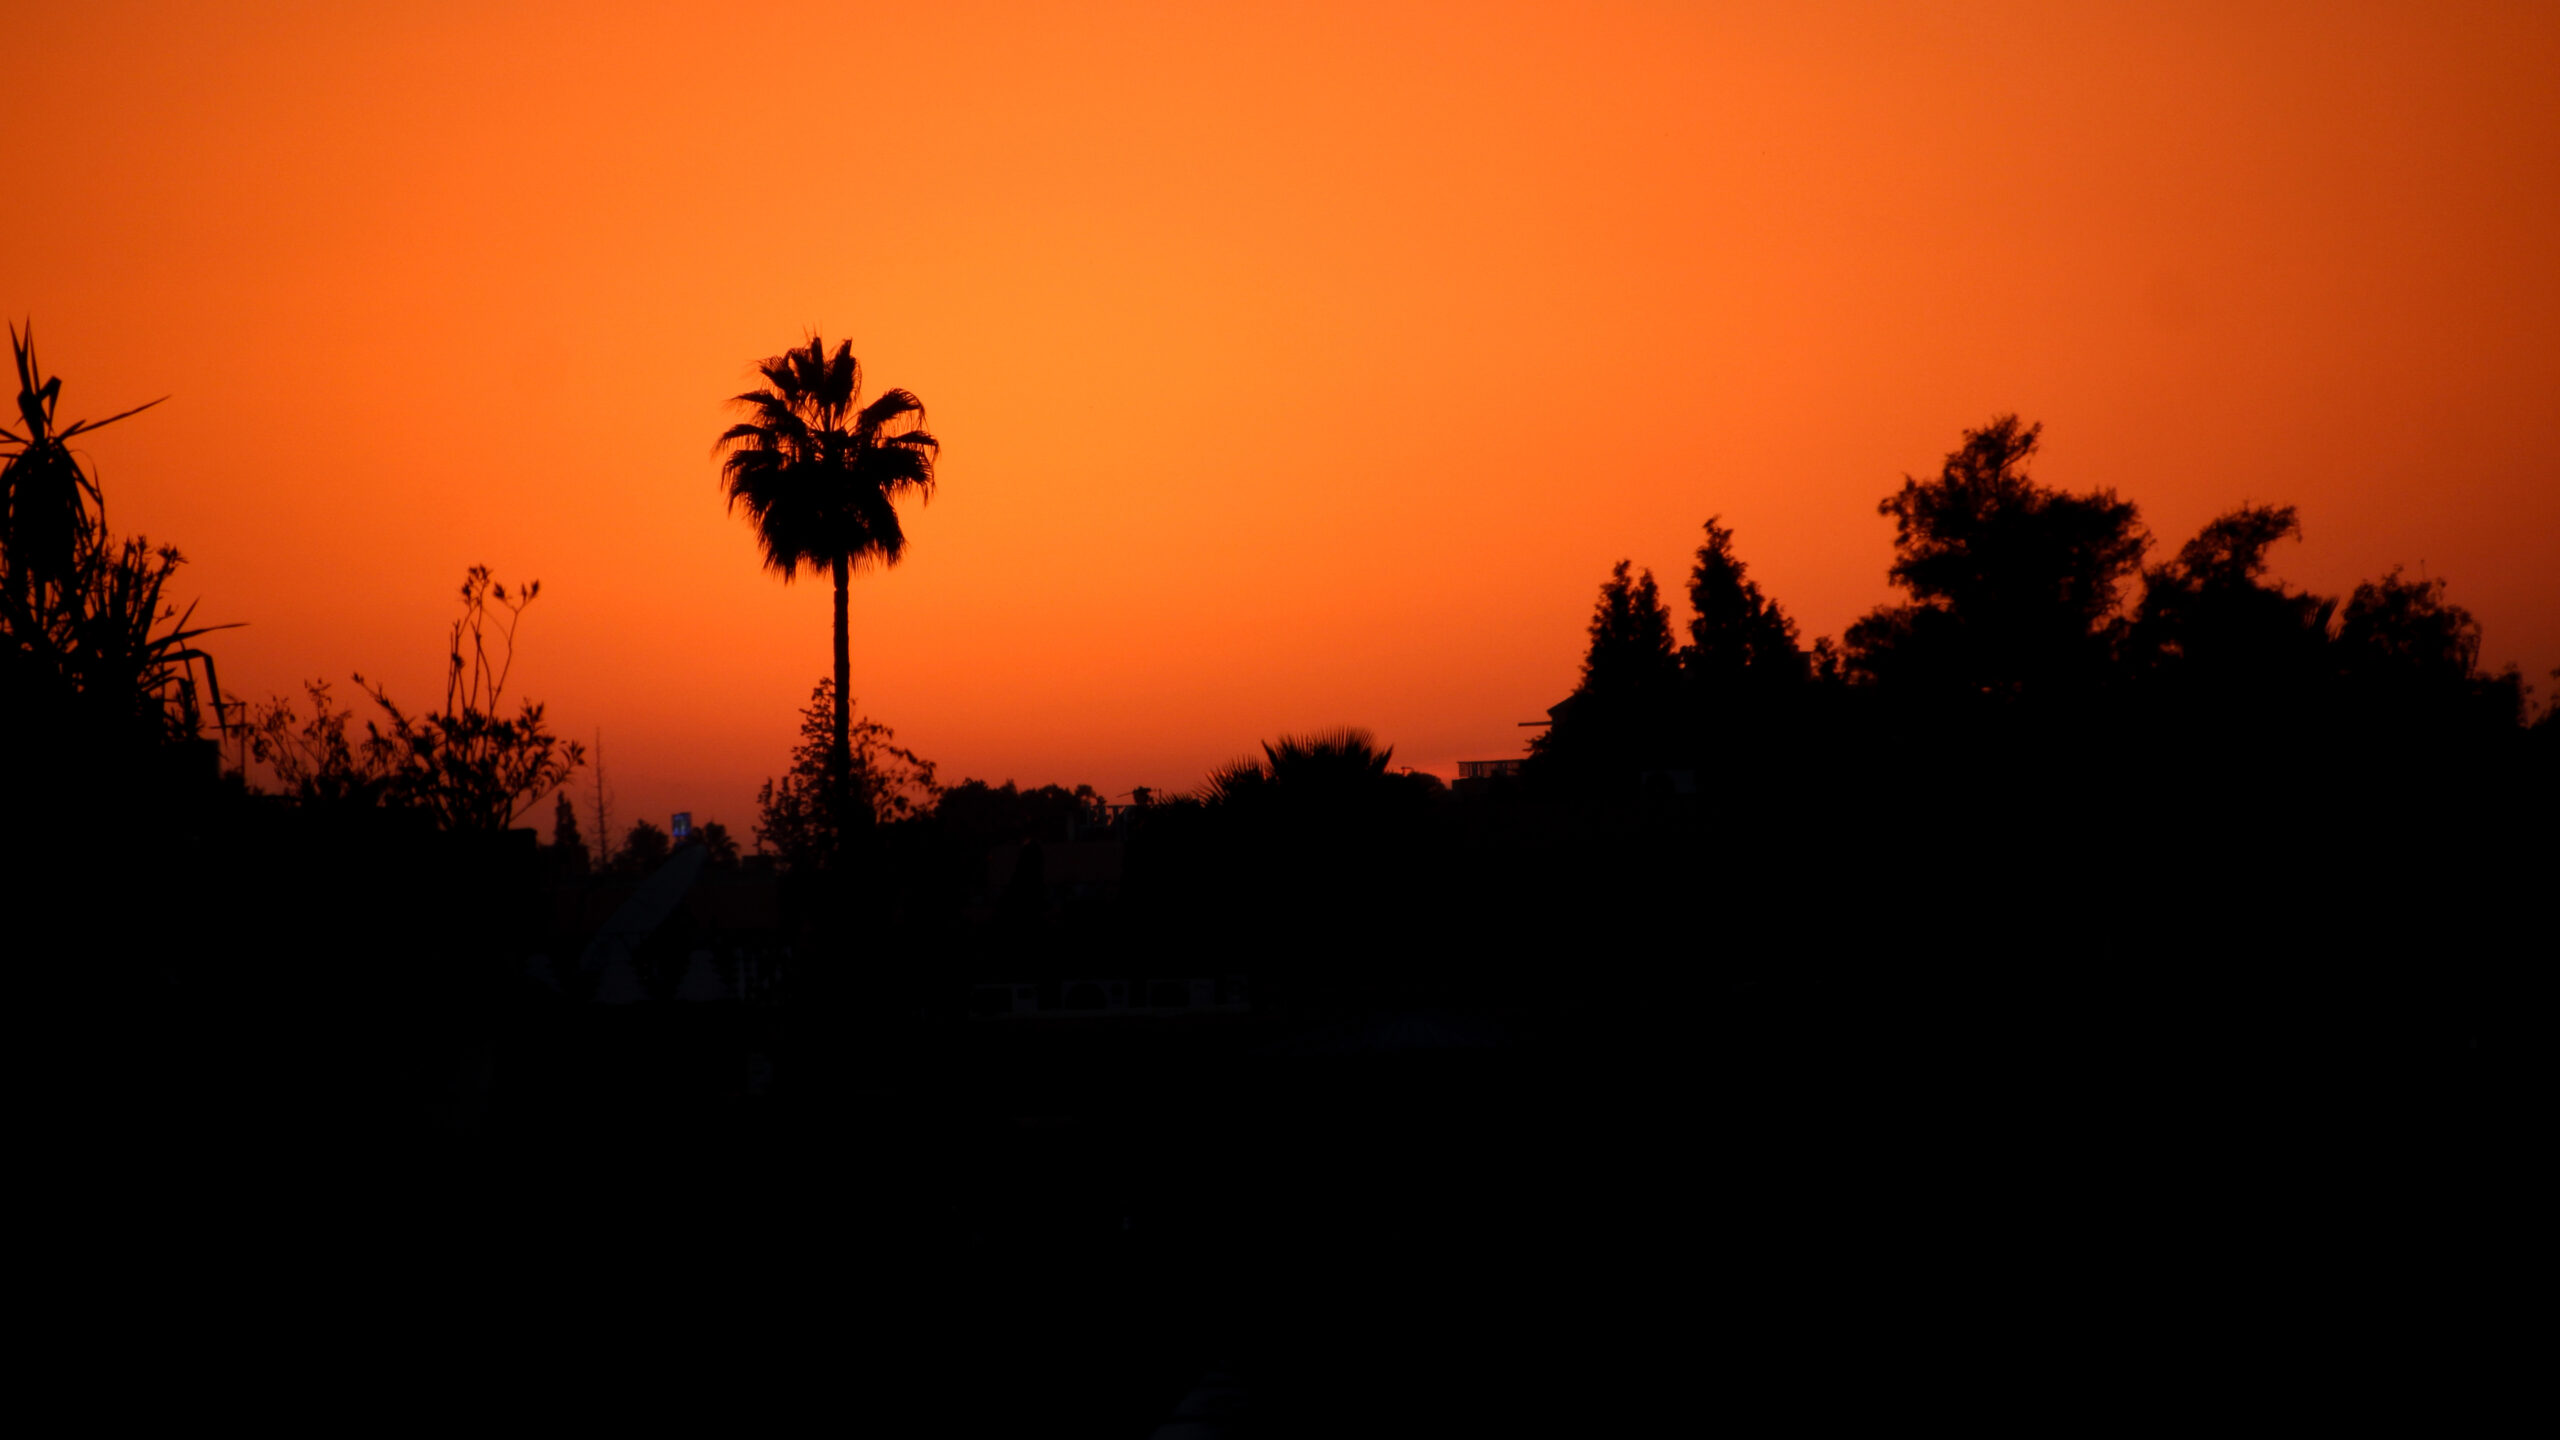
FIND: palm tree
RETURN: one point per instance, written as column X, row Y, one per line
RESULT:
column 818, row 477
column 1334, row 768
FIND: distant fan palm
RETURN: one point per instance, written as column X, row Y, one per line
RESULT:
column 1336, row 765
column 819, row 476
column 1335, row 760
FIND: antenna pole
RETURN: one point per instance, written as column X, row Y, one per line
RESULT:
column 604, row 834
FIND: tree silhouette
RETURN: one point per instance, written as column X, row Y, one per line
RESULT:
column 982, row 815
column 1341, row 771
column 2014, row 586
column 2211, row 629
column 796, row 823
column 719, row 846
column 819, row 476
column 1310, row 838
column 1619, row 716
column 644, row 849
column 568, row 847
column 2410, row 656
column 1630, row 636
column 1738, row 634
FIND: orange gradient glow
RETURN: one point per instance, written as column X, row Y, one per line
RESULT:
column 1295, row 366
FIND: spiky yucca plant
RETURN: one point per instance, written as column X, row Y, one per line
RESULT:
column 87, row 634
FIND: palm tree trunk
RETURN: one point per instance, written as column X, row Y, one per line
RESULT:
column 849, row 813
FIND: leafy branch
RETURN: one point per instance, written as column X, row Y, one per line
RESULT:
column 468, row 764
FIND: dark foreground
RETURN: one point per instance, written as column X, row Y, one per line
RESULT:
column 1408, row 1217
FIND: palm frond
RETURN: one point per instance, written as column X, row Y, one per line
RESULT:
column 888, row 407
column 839, row 378
column 894, row 469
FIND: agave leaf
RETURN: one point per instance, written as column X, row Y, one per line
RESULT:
column 81, row 426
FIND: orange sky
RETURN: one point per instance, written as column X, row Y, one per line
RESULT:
column 1295, row 365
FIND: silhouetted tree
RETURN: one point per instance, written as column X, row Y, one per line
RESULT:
column 983, row 815
column 719, row 846
column 600, row 802
column 1826, row 661
column 2211, row 628
column 793, row 820
column 1630, row 637
column 644, row 848
column 1339, row 774
column 1342, row 761
column 2015, row 587
column 1742, row 670
column 568, row 847
column 1738, row 637
column 1305, row 850
column 819, row 476
column 2411, row 656
column 1619, row 718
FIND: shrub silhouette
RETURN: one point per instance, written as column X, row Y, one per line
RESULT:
column 466, row 764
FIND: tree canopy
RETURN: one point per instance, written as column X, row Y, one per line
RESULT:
column 891, row 783
column 2015, row 588
column 1620, row 716
column 2030, row 608
column 1737, row 636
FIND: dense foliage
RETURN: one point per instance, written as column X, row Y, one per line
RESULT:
column 2030, row 617
column 794, row 821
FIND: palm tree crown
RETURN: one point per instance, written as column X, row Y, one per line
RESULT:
column 818, row 476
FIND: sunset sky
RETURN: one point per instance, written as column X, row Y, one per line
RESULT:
column 1295, row 365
